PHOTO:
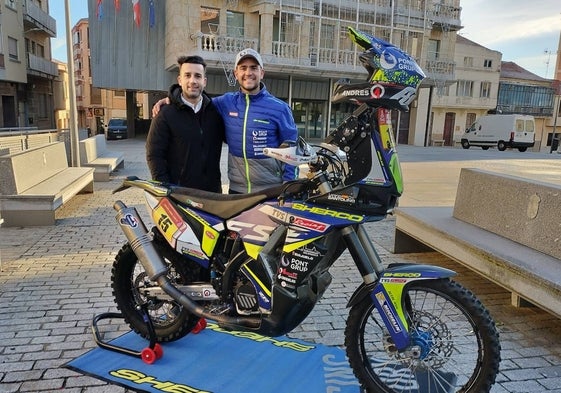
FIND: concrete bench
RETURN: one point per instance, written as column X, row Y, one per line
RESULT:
column 94, row 154
column 36, row 182
column 506, row 228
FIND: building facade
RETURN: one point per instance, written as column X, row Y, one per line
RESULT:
column 455, row 106
column 306, row 50
column 95, row 106
column 304, row 45
column 27, row 71
column 61, row 98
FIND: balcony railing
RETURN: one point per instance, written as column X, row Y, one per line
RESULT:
column 220, row 47
column 224, row 44
column 445, row 17
column 39, row 18
column 439, row 70
column 40, row 66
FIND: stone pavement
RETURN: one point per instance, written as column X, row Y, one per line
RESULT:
column 53, row 280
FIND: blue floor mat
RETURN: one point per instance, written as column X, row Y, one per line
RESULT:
column 221, row 361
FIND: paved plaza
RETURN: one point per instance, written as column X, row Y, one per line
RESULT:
column 53, row 280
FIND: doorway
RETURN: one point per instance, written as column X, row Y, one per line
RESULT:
column 309, row 118
column 449, row 124
column 9, row 111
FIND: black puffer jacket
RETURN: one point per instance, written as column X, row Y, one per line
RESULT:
column 184, row 147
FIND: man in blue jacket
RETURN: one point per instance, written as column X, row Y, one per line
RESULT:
column 254, row 119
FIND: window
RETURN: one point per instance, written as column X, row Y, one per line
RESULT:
column 442, row 89
column 234, row 22
column 487, row 63
column 470, row 119
column 119, row 93
column 13, row 48
column 464, row 88
column 327, row 37
column 210, row 20
column 485, row 91
column 468, row 61
column 433, row 51
column 76, row 37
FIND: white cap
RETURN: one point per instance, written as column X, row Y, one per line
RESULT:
column 248, row 53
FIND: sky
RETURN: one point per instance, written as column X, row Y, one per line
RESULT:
column 525, row 32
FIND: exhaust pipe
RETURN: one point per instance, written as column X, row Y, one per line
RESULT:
column 137, row 235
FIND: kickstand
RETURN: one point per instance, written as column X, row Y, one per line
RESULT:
column 148, row 355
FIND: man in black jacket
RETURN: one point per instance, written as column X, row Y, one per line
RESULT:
column 185, row 140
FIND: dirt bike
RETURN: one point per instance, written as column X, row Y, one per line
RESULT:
column 260, row 262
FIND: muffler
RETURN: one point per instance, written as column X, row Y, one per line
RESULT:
column 136, row 233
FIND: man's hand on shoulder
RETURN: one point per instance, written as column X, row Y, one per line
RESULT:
column 157, row 106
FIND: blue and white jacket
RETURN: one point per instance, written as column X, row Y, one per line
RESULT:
column 252, row 123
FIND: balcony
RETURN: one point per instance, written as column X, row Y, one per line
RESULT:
column 444, row 17
column 36, row 18
column 285, row 56
column 439, row 71
column 41, row 67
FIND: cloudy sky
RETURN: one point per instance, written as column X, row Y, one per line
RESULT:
column 524, row 32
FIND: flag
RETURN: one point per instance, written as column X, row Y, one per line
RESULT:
column 136, row 12
column 117, row 5
column 152, row 13
column 99, row 9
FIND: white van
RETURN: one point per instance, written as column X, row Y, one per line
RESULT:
column 515, row 131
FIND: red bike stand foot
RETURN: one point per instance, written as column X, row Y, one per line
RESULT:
column 148, row 355
column 199, row 327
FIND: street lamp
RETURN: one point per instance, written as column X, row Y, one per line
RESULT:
column 73, row 126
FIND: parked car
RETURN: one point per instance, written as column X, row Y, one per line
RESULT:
column 117, row 129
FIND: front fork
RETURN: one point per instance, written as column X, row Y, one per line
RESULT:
column 386, row 286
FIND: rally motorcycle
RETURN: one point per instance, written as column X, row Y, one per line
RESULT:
column 260, row 262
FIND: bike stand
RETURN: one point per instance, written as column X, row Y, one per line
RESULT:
column 150, row 354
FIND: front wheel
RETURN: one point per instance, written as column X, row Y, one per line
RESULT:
column 454, row 343
column 465, row 144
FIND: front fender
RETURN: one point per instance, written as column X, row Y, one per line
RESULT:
column 409, row 271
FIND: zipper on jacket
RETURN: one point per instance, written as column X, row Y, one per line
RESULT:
column 246, row 163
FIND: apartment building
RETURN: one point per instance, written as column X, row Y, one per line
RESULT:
column 26, row 69
column 474, row 93
column 61, row 98
column 304, row 45
column 95, row 106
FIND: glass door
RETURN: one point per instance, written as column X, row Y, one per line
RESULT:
column 309, row 116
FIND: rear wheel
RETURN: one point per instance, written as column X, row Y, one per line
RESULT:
column 501, row 146
column 485, row 147
column 130, row 284
column 522, row 149
column 454, row 344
